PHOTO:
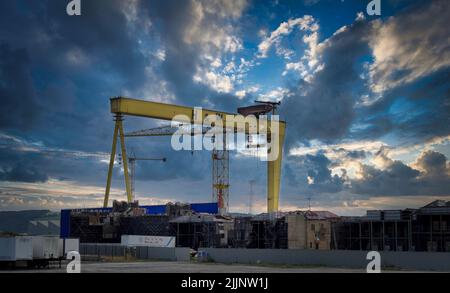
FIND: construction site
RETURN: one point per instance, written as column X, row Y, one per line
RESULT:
column 123, row 230
column 211, row 225
column 193, row 225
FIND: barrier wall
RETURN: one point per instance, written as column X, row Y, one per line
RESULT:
column 117, row 250
column 427, row 261
column 438, row 261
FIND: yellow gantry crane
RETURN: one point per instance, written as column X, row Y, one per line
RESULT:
column 121, row 106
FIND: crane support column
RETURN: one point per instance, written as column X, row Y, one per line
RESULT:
column 111, row 164
column 118, row 131
column 125, row 162
column 274, row 174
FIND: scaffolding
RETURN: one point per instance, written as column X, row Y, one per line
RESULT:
column 425, row 229
column 221, row 179
column 394, row 235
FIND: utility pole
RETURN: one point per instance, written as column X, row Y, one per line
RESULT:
column 250, row 199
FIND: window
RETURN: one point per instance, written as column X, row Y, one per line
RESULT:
column 313, row 227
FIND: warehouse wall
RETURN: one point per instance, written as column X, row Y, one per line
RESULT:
column 439, row 261
column 296, row 231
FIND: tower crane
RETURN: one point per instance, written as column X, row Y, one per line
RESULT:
column 132, row 161
column 220, row 160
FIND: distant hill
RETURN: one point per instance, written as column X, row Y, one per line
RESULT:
column 17, row 222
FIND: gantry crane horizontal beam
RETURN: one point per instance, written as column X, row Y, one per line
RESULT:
column 170, row 130
column 125, row 106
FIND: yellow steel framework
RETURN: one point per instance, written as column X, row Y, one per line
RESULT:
column 124, row 106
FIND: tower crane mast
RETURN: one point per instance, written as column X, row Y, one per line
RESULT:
column 220, row 161
column 132, row 162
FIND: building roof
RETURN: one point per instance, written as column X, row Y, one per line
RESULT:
column 200, row 218
column 437, row 207
column 268, row 217
column 320, row 215
column 438, row 203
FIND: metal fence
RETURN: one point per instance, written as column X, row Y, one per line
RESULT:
column 120, row 251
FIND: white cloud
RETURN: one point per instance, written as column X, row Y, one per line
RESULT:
column 210, row 29
column 243, row 93
column 218, row 82
column 160, row 54
column 309, row 62
column 274, row 95
column 306, row 23
column 410, row 46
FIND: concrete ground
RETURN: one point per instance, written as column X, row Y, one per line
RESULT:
column 182, row 267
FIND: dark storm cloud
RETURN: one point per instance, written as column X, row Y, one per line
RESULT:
column 23, row 161
column 323, row 109
column 19, row 104
column 433, row 163
column 23, row 172
column 397, row 179
column 57, row 74
column 353, row 154
column 432, row 177
column 425, row 116
column 412, row 62
column 317, row 169
column 76, row 63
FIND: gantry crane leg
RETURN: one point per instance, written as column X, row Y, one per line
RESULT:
column 118, row 131
column 125, row 163
column 111, row 164
column 273, row 177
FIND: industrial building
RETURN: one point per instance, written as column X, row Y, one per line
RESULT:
column 310, row 229
column 431, row 227
column 423, row 229
column 107, row 225
column 201, row 230
column 201, row 225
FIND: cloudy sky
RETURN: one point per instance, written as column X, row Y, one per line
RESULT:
column 366, row 99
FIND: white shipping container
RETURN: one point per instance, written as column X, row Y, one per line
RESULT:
column 68, row 244
column 150, row 241
column 46, row 247
column 16, row 248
